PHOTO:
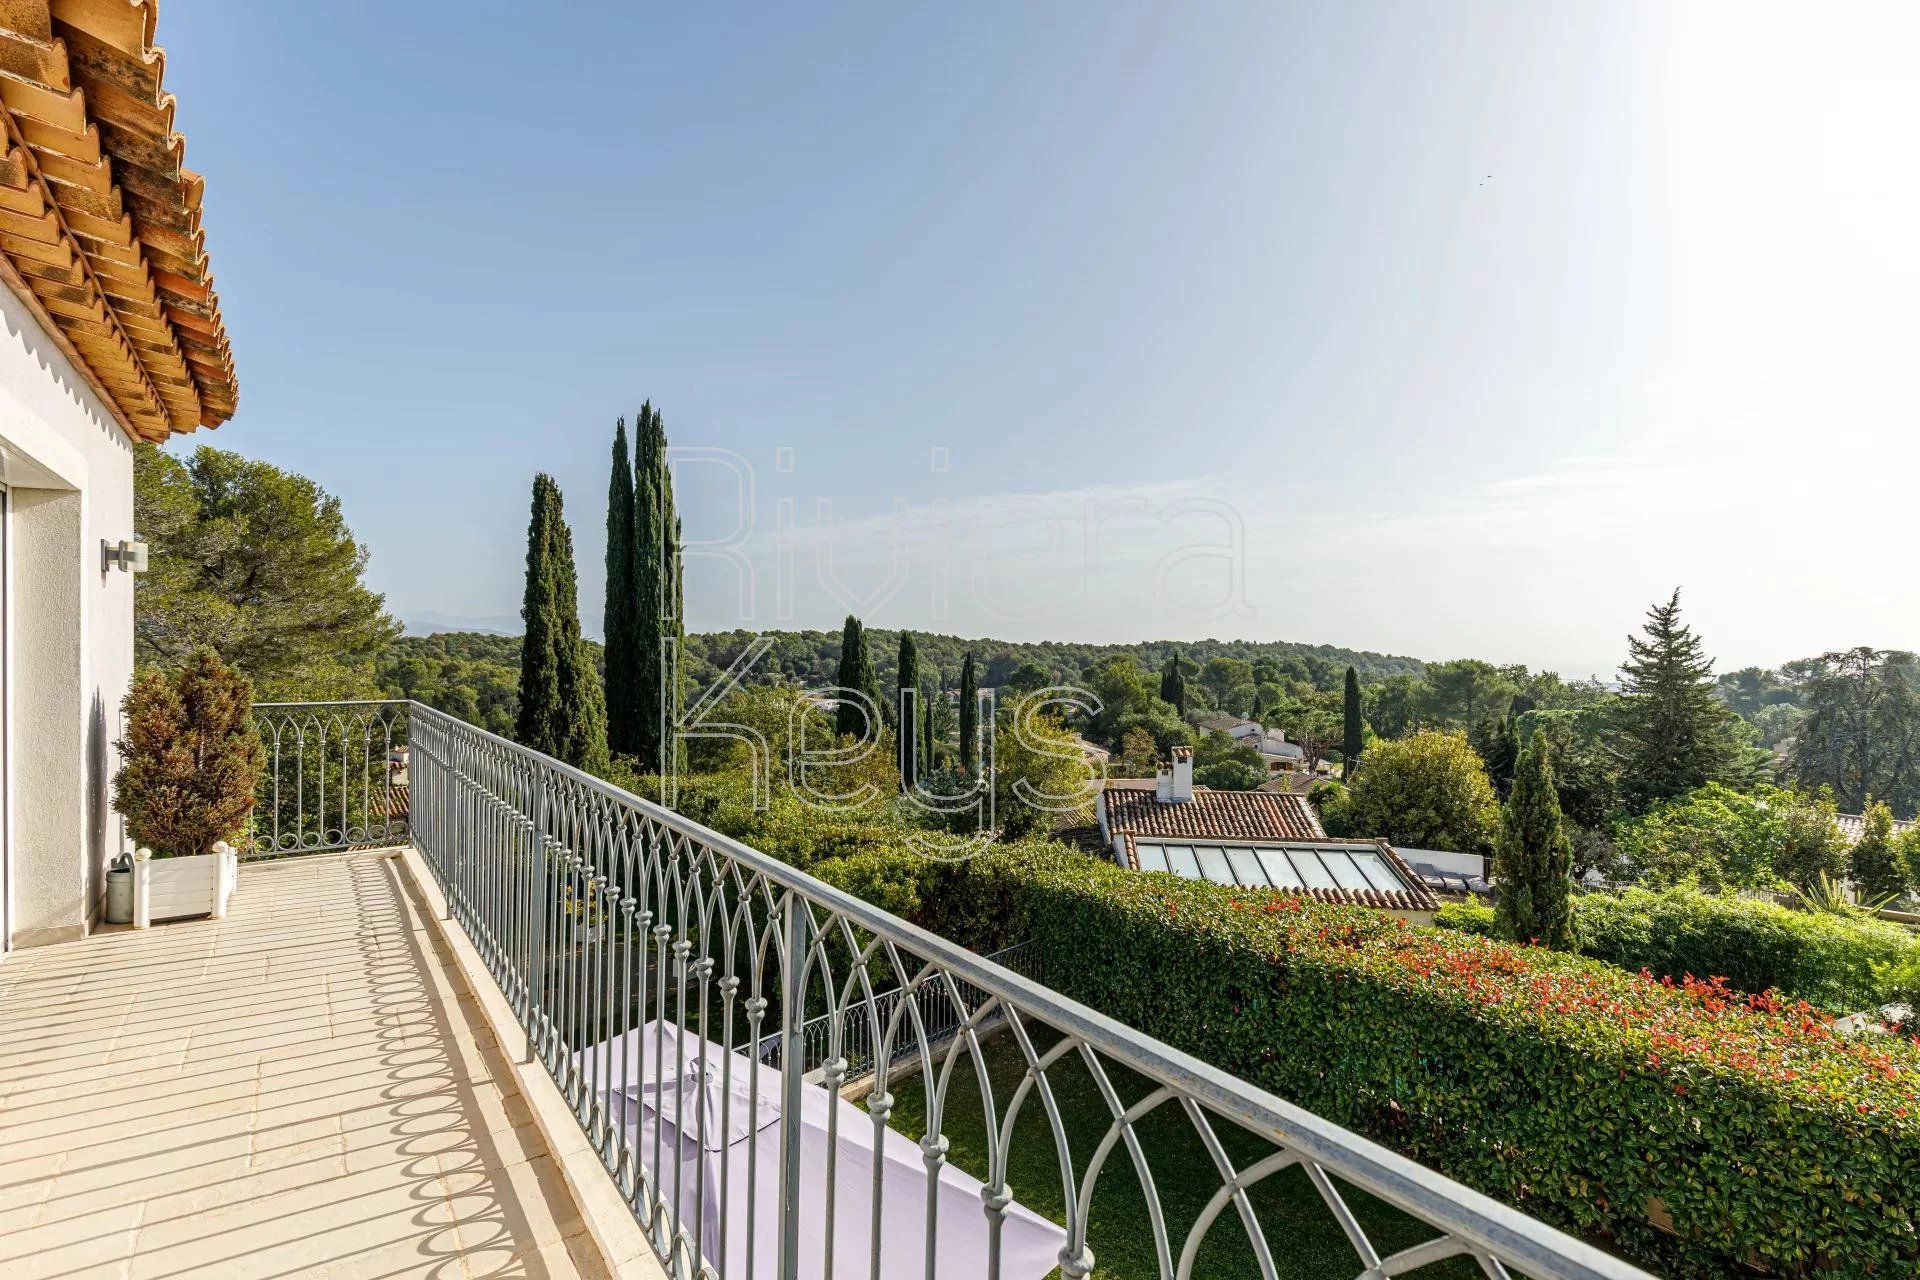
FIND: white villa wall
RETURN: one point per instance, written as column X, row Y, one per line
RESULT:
column 68, row 626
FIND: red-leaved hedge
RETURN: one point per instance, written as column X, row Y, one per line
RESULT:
column 1697, row 1130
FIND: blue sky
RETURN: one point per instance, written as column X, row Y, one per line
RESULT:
column 1461, row 329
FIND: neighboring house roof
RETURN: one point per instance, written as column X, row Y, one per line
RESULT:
column 99, row 223
column 1369, row 874
column 1854, row 825
column 1222, row 815
column 1092, row 750
column 1218, row 721
column 1276, row 744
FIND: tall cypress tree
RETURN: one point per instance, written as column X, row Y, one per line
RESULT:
column 856, row 673
column 930, row 692
column 1676, row 734
column 969, row 716
column 1533, row 859
column 562, row 707
column 910, row 711
column 1173, row 684
column 624, row 716
column 657, row 560
column 1353, row 732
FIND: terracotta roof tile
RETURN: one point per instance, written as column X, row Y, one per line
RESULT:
column 99, row 221
column 1221, row 815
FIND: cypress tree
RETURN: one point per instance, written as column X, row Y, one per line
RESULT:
column 1353, row 735
column 1533, row 859
column 929, row 743
column 624, row 720
column 1173, row 684
column 658, row 573
column 909, row 690
column 969, row 716
column 562, row 707
column 856, row 673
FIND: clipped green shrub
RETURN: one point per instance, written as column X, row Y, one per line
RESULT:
column 1836, row 962
column 1472, row 916
column 1588, row 1096
column 1825, row 959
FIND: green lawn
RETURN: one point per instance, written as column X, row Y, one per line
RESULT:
column 1306, row 1242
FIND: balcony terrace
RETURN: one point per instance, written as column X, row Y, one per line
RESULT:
column 476, row 1013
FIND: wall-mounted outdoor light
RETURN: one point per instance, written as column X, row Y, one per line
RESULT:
column 128, row 557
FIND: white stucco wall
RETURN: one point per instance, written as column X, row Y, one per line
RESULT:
column 68, row 630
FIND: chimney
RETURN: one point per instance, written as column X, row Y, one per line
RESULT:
column 1173, row 783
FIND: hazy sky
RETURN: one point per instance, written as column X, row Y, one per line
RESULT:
column 1469, row 329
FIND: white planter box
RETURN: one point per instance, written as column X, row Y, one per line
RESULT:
column 166, row 888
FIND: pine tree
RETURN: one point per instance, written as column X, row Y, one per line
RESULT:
column 661, row 622
column 1676, row 734
column 562, row 706
column 1875, row 866
column 1533, row 859
column 1173, row 684
column 969, row 716
column 622, row 621
column 857, row 674
column 1353, row 735
column 909, row 708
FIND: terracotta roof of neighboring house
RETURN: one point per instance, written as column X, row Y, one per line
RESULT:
column 99, row 222
column 1854, row 825
column 1340, row 868
column 1222, row 815
column 1084, row 837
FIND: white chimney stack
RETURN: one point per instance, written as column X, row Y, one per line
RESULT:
column 1173, row 783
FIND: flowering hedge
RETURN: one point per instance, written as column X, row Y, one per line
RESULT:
column 1829, row 960
column 1694, row 1129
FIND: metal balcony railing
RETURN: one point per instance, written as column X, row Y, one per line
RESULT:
column 335, row 778
column 622, row 932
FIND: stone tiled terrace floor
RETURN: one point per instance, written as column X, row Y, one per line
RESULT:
column 302, row 1089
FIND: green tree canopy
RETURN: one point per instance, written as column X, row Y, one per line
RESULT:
column 1875, row 864
column 1860, row 734
column 258, row 565
column 1224, row 764
column 1427, row 791
column 1722, row 838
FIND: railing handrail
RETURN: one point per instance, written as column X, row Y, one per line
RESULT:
column 1542, row 1251
column 348, row 702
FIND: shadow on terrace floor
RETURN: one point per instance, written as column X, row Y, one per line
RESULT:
column 302, row 1089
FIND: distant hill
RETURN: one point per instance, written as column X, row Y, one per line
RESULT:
column 476, row 674
column 433, row 624
column 812, row 657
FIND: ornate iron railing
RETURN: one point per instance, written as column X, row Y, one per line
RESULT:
column 623, row 934
column 944, row 1010
column 335, row 778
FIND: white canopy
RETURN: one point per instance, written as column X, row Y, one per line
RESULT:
column 667, row 1080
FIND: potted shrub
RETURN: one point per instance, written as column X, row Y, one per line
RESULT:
column 191, row 764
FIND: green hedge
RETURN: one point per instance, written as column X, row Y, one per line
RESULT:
column 1827, row 960
column 1586, row 1095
